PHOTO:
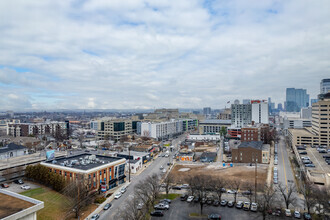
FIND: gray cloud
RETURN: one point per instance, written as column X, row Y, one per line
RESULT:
column 145, row 54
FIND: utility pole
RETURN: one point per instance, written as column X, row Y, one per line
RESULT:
column 256, row 177
column 129, row 165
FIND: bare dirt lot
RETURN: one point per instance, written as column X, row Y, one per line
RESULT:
column 244, row 173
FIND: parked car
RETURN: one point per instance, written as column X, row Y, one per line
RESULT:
column 323, row 151
column 19, row 181
column 326, row 156
column 107, row 206
column 157, row 213
column 161, row 167
column 176, row 187
column 297, row 214
column 139, row 206
column 166, row 200
column 287, row 212
column 309, row 165
column 239, row 204
column 216, row 203
column 307, row 216
column 303, row 153
column 162, row 206
column 248, row 192
column 223, row 190
column 4, row 185
column 214, row 217
column 96, row 216
column 25, row 187
column 185, row 186
column 231, row 204
column 122, row 190
column 118, row 195
column 209, row 201
column 231, row 191
column 190, row 198
column 275, row 181
column 277, row 211
column 223, row 202
column 183, row 197
column 203, row 200
column 246, row 206
column 254, row 207
column 196, row 199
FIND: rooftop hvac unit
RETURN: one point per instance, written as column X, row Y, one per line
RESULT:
column 54, row 162
column 62, row 164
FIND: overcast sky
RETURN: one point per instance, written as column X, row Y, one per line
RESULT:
column 116, row 54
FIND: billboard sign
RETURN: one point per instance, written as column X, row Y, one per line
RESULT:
column 50, row 155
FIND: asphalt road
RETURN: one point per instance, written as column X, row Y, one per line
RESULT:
column 151, row 169
column 285, row 174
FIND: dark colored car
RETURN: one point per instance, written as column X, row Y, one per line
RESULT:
column 196, row 199
column 309, row 165
column 303, row 152
column 209, row 201
column 277, row 211
column 107, row 206
column 231, row 204
column 183, row 197
column 157, row 213
column 213, row 217
column 247, row 192
column 176, row 187
column 203, row 200
column 326, row 156
column 4, row 185
column 307, row 216
column 19, row 181
column 95, row 217
column 216, row 203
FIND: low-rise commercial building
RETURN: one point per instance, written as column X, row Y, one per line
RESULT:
column 257, row 132
column 97, row 170
column 203, row 137
column 135, row 155
column 208, row 157
column 251, row 152
column 186, row 156
column 12, row 150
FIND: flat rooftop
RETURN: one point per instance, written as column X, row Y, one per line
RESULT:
column 301, row 132
column 83, row 161
column 134, row 153
column 215, row 121
column 10, row 205
column 15, row 206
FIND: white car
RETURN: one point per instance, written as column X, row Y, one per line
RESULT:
column 118, row 195
column 164, row 171
column 25, row 187
column 122, row 190
column 231, row 191
column 254, row 207
column 288, row 212
column 190, row 199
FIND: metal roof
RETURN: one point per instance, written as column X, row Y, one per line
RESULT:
column 11, row 147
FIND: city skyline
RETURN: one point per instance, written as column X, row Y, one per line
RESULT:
column 146, row 55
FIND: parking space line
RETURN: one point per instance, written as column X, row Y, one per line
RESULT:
column 316, row 159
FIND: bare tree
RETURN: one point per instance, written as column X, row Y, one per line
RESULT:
column 192, row 184
column 130, row 210
column 287, row 194
column 153, row 182
column 321, row 201
column 201, row 182
column 143, row 193
column 249, row 187
column 218, row 185
column 235, row 185
column 265, row 199
column 81, row 139
column 79, row 194
column 309, row 195
column 168, row 181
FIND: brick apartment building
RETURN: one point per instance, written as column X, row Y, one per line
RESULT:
column 249, row 152
column 257, row 132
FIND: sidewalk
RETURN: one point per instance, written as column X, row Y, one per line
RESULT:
column 271, row 166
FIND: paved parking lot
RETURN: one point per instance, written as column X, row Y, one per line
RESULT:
column 13, row 187
column 180, row 210
column 318, row 160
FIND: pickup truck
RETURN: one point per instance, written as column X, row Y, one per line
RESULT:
column 162, row 206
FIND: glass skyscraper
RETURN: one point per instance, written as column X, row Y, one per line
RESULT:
column 325, row 86
column 296, row 99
